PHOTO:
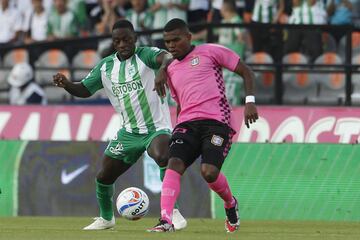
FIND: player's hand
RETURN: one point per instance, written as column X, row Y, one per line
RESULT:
column 250, row 114
column 161, row 83
column 60, row 80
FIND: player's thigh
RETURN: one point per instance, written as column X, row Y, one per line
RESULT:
column 185, row 144
column 125, row 147
column 157, row 145
column 216, row 144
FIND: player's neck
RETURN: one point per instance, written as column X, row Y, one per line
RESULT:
column 189, row 51
column 123, row 58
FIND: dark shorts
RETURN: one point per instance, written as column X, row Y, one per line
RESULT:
column 209, row 139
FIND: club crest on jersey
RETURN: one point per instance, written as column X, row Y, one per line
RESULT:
column 132, row 71
column 217, row 140
column 195, row 61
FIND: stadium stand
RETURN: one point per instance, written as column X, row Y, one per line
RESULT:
column 4, row 95
column 10, row 59
column 84, row 60
column 331, row 85
column 355, row 96
column 299, row 86
column 49, row 63
column 15, row 56
column 264, row 79
column 355, row 37
column 3, row 83
column 329, row 42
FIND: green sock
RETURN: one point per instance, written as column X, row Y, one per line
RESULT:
column 162, row 175
column 104, row 195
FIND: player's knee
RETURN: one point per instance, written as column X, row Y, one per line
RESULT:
column 161, row 159
column 177, row 165
column 210, row 175
column 105, row 178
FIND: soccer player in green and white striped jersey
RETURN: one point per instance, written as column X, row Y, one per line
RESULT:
column 127, row 77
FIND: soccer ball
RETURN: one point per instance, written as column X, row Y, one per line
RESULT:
column 132, row 203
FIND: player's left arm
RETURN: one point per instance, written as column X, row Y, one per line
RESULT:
column 164, row 59
column 250, row 112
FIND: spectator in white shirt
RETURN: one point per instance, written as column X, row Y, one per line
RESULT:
column 11, row 23
column 36, row 21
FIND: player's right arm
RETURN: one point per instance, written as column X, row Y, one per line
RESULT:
column 75, row 89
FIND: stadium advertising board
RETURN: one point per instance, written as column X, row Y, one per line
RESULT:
column 57, row 178
column 294, row 181
column 276, row 124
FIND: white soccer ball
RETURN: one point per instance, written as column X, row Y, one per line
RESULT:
column 132, row 203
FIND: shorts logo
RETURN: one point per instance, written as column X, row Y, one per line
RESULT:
column 117, row 150
column 177, row 141
column 217, row 140
column 180, row 130
column 195, row 61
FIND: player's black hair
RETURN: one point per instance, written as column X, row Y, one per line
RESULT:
column 123, row 24
column 175, row 23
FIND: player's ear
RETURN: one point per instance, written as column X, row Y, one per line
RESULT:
column 189, row 36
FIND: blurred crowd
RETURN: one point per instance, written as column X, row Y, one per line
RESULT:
column 38, row 20
column 29, row 21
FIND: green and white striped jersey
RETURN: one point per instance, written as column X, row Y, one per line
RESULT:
column 308, row 14
column 129, row 86
column 264, row 11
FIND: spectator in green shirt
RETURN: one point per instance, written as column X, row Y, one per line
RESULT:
column 62, row 22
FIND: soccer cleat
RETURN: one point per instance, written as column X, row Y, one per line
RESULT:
column 162, row 226
column 232, row 221
column 101, row 224
column 178, row 220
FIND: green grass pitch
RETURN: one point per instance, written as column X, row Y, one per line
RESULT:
column 67, row 228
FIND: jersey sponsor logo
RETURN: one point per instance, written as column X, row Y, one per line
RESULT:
column 67, row 178
column 195, row 61
column 217, row 140
column 126, row 88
